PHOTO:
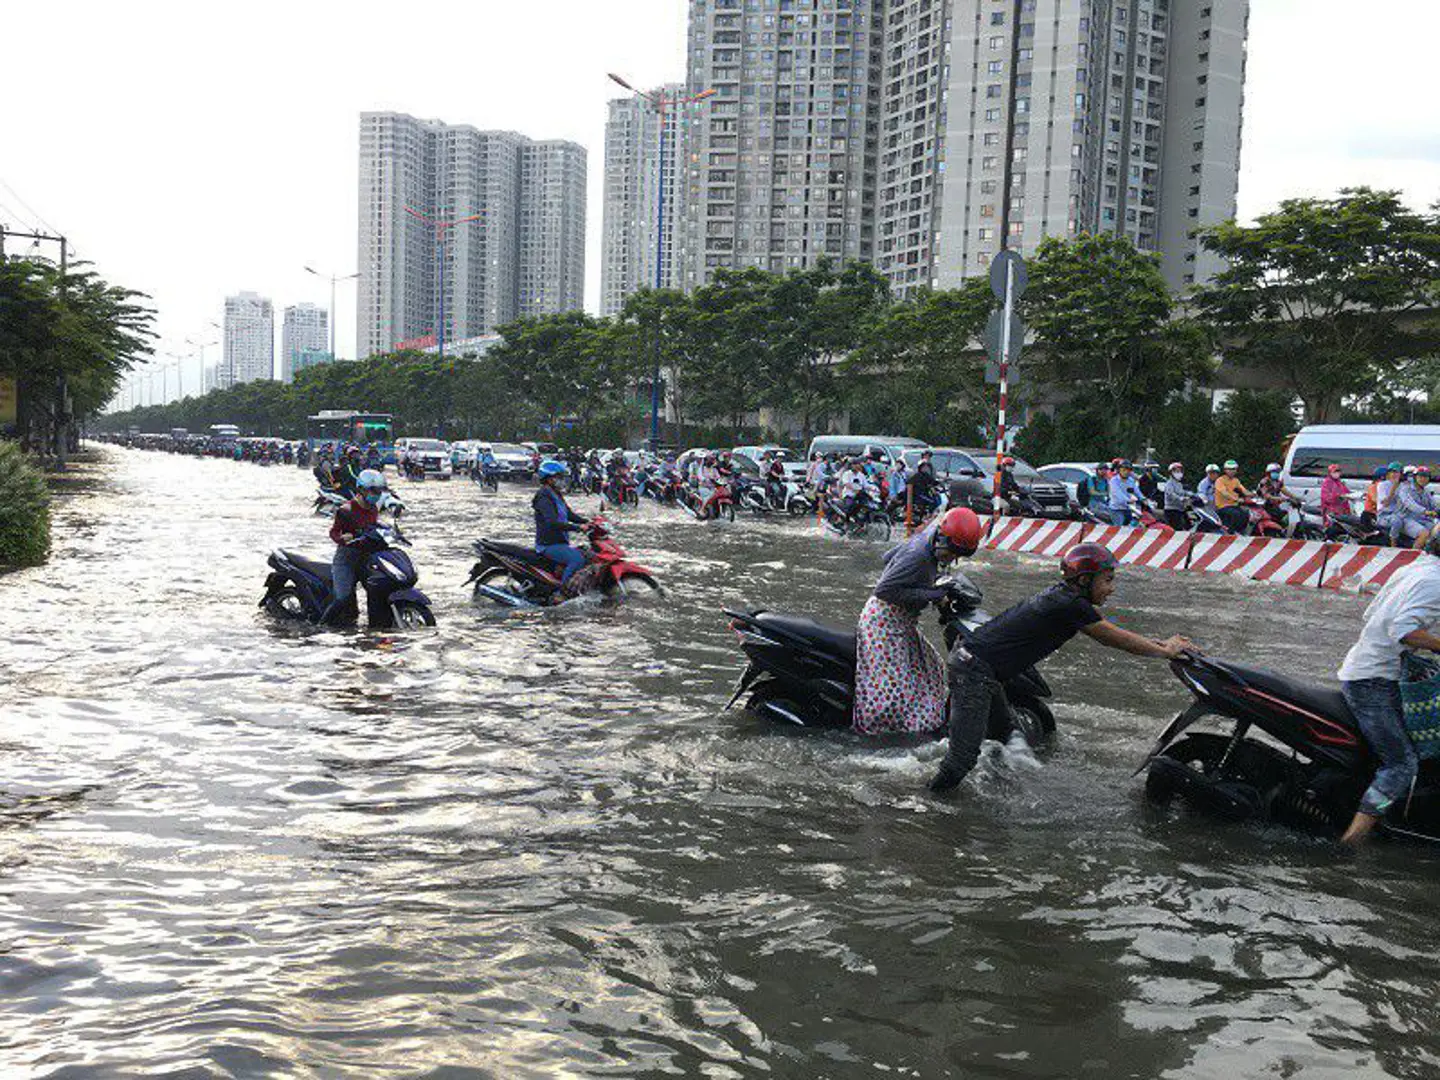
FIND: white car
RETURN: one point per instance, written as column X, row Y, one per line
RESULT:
column 433, row 453
column 1070, row 473
column 794, row 467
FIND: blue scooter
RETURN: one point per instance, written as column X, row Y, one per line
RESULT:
column 299, row 588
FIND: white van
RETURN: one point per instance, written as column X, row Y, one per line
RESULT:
column 892, row 446
column 1359, row 449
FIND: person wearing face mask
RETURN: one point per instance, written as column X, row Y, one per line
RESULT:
column 1414, row 517
column 352, row 519
column 1334, row 494
column 1276, row 496
column 1177, row 499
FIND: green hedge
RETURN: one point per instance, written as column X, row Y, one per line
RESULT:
column 24, row 510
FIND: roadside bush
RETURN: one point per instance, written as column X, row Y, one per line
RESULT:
column 24, row 510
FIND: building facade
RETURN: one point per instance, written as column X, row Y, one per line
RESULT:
column 633, row 203
column 527, row 236
column 248, row 337
column 781, row 167
column 882, row 130
column 304, row 328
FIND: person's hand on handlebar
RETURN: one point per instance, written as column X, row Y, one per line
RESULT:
column 1178, row 646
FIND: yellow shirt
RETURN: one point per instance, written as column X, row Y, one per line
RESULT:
column 1229, row 491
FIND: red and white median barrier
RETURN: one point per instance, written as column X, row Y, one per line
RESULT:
column 1292, row 562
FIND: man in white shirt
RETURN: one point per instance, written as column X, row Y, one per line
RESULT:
column 1401, row 617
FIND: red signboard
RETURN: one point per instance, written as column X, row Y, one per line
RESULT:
column 424, row 341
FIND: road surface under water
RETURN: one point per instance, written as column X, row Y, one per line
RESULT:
column 533, row 844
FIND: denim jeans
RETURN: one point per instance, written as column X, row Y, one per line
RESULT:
column 346, row 568
column 973, row 688
column 1378, row 711
column 1120, row 515
column 569, row 558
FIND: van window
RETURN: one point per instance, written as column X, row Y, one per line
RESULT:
column 1355, row 464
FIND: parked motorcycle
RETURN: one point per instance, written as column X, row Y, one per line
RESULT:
column 519, row 576
column 802, row 673
column 1286, row 750
column 299, row 587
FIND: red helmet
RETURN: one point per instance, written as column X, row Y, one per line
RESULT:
column 1007, row 462
column 1086, row 559
column 962, row 528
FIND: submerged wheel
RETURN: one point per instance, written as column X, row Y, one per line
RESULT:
column 412, row 616
column 1201, row 752
column 726, row 511
column 497, row 577
column 770, row 702
column 286, row 603
column 1030, row 723
column 637, row 585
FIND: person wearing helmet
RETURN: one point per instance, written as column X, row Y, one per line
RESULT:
column 1230, row 493
column 924, row 485
column 1205, row 490
column 1095, row 492
column 1124, row 494
column 1010, row 489
column 1150, row 484
column 1414, row 515
column 352, row 518
column 1278, row 498
column 1025, row 635
column 348, row 475
column 1386, row 494
column 1177, row 499
column 899, row 676
column 554, row 521
column 1334, row 494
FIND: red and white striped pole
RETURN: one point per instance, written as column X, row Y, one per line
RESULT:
column 1004, row 382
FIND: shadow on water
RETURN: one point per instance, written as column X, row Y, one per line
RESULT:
column 532, row 843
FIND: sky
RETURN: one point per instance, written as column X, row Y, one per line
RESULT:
column 192, row 150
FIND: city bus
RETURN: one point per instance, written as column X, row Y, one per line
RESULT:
column 344, row 425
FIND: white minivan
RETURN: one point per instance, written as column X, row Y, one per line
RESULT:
column 1359, row 449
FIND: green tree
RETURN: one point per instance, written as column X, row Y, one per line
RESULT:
column 1104, row 327
column 733, row 342
column 1323, row 293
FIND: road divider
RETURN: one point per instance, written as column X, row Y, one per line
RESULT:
column 1306, row 563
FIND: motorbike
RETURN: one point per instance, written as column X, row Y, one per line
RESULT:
column 751, row 495
column 327, row 501
column 721, row 505
column 519, row 576
column 865, row 521
column 1352, row 529
column 802, row 673
column 622, row 491
column 299, row 587
column 1286, row 750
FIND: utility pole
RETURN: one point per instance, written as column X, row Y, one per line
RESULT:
column 61, row 412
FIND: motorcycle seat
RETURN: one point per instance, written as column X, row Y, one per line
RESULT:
column 310, row 566
column 1318, row 696
column 517, row 551
column 830, row 638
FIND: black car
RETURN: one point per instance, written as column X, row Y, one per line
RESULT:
column 969, row 476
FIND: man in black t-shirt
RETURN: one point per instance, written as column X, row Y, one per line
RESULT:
column 1026, row 634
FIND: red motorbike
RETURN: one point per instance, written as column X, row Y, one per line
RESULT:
column 1262, row 522
column 721, row 505
column 519, row 576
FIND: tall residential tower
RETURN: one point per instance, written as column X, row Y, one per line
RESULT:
column 248, row 351
column 304, row 330
column 524, row 254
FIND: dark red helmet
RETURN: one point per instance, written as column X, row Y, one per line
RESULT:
column 962, row 528
column 1083, row 560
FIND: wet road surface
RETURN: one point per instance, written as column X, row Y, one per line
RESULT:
column 532, row 844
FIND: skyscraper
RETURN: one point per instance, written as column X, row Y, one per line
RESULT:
column 305, row 328
column 881, row 130
column 524, row 254
column 632, row 185
column 781, row 168
column 249, row 341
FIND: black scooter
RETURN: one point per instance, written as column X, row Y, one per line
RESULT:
column 299, row 588
column 1286, row 750
column 802, row 673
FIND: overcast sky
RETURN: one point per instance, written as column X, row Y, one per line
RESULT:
column 191, row 150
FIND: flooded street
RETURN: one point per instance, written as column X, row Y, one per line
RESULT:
column 533, row 844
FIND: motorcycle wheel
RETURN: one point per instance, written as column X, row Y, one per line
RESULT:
column 285, row 602
column 412, row 616
column 1031, row 724
column 1255, row 776
column 770, row 702
column 632, row 498
column 497, row 577
column 637, row 585
column 726, row 511
column 878, row 527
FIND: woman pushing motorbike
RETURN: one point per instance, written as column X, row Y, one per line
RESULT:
column 899, row 676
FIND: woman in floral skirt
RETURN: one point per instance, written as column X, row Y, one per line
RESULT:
column 900, row 682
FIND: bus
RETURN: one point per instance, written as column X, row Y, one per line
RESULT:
column 344, row 425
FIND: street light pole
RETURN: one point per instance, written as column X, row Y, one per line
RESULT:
column 659, row 101
column 441, row 231
column 332, row 278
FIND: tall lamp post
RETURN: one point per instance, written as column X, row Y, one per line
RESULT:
column 442, row 229
column 659, row 101
column 333, row 278
column 201, row 346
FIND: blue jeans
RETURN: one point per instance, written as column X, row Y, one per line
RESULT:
column 569, row 558
column 345, row 570
column 1120, row 515
column 1377, row 708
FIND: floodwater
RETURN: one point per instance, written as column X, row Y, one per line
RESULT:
column 533, row 844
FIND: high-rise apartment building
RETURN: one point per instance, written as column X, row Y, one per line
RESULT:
column 249, row 341
column 525, row 253
column 1127, row 117
column 782, row 157
column 633, row 174
column 304, row 329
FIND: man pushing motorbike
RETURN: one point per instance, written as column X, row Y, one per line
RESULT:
column 1026, row 634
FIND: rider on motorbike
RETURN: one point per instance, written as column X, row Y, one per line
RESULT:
column 1276, row 496
column 1177, row 499
column 1229, row 494
column 1334, row 494
column 1124, row 490
column 1026, row 634
column 924, row 485
column 352, row 518
column 899, row 677
column 1415, row 513
column 856, row 489
column 554, row 521
column 1095, row 492
column 1150, row 481
column 1010, row 488
column 1205, row 490
column 775, row 481
column 1402, row 616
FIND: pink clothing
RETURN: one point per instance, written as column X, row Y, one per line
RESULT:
column 899, row 676
column 1334, row 496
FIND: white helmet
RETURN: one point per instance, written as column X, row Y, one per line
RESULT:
column 370, row 480
column 1274, row 466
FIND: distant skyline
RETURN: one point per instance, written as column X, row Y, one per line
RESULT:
column 179, row 173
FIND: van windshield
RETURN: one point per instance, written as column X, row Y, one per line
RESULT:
column 1355, row 464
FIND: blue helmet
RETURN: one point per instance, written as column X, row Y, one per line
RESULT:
column 552, row 468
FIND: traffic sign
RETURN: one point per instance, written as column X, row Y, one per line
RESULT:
column 994, row 335
column 999, row 271
column 1012, row 374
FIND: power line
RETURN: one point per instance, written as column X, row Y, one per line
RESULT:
column 16, row 195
